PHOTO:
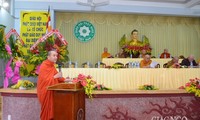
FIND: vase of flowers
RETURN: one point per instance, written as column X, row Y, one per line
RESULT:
column 87, row 82
column 23, row 85
column 101, row 87
column 147, row 87
column 193, row 86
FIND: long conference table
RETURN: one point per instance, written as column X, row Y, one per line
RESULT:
column 111, row 61
column 132, row 78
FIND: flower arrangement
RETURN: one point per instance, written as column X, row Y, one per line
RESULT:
column 137, row 47
column 87, row 82
column 23, row 84
column 117, row 66
column 11, row 52
column 3, row 52
column 193, row 86
column 147, row 87
column 101, row 87
column 38, row 53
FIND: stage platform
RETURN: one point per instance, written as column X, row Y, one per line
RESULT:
column 114, row 104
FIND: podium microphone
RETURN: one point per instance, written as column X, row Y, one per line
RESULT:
column 59, row 67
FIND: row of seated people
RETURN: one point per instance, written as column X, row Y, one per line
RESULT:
column 122, row 54
column 145, row 63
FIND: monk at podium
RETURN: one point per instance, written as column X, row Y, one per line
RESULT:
column 48, row 75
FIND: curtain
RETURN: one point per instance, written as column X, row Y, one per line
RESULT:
column 180, row 35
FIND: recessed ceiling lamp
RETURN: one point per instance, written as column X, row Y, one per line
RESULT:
column 3, row 3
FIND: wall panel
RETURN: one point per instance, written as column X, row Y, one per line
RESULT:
column 181, row 35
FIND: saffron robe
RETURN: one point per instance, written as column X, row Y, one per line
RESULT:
column 105, row 55
column 143, row 63
column 165, row 55
column 45, row 79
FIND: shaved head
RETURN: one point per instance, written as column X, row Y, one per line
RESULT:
column 52, row 56
column 49, row 52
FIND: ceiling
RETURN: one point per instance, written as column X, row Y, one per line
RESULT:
column 161, row 7
column 164, row 3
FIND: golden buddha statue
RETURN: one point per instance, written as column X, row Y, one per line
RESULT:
column 134, row 38
column 134, row 46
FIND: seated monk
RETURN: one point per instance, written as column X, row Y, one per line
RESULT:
column 142, row 54
column 48, row 76
column 165, row 54
column 173, row 63
column 105, row 54
column 146, row 62
column 121, row 54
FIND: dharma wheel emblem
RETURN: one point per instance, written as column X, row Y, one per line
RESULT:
column 84, row 31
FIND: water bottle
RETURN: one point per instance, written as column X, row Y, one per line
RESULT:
column 165, row 56
column 76, row 64
column 131, row 56
column 117, row 55
column 137, row 64
column 158, row 55
column 98, row 64
column 191, row 65
column 70, row 63
column 129, row 65
column 133, row 64
column 88, row 64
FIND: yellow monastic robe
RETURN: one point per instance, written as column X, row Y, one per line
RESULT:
column 105, row 55
column 143, row 63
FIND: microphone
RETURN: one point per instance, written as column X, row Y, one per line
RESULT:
column 59, row 66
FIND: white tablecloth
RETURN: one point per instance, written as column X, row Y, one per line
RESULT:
column 132, row 78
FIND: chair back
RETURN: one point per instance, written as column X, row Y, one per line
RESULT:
column 70, row 65
column 102, row 65
column 87, row 65
column 165, row 65
column 157, row 66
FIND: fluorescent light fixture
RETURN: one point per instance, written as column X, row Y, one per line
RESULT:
column 3, row 3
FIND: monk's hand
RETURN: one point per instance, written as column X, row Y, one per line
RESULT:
column 58, row 75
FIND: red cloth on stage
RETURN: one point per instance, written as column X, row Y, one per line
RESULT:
column 45, row 79
column 163, row 55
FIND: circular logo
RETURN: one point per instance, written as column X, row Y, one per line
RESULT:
column 84, row 31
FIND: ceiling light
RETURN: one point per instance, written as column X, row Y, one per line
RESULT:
column 5, row 4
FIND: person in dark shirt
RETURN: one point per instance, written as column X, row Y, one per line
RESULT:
column 189, row 62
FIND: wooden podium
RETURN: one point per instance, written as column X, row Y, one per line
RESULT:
column 69, row 101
